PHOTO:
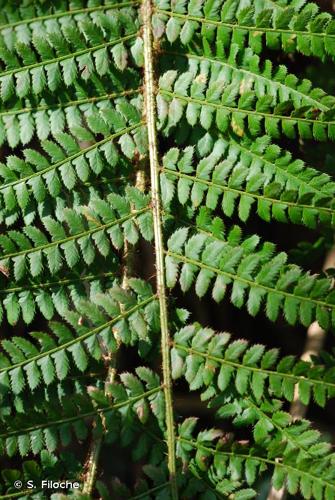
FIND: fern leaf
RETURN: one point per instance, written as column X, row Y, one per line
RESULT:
column 215, row 363
column 69, row 416
column 92, row 331
column 246, row 460
column 49, row 296
column 27, row 182
column 229, row 21
column 248, row 72
column 63, row 54
column 87, row 232
column 254, row 274
column 47, row 118
column 94, row 95
column 204, row 94
column 239, row 173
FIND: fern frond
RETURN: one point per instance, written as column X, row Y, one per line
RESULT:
column 237, row 174
column 45, row 117
column 246, row 462
column 142, row 394
column 123, row 316
column 64, row 54
column 46, row 297
column 65, row 164
column 248, row 71
column 212, row 362
column 204, row 95
column 215, row 363
column 87, row 232
column 254, row 274
column 94, row 94
column 250, row 24
column 23, row 21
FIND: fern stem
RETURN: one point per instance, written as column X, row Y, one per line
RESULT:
column 96, row 443
column 150, row 113
column 92, row 466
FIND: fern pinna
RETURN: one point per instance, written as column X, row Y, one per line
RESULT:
column 164, row 128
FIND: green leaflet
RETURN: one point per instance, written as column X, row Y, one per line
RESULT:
column 86, row 230
column 247, row 71
column 240, row 174
column 127, row 319
column 66, row 161
column 207, row 95
column 253, row 274
column 13, row 16
column 20, row 125
column 296, row 27
column 135, row 392
column 50, row 296
column 69, row 51
column 215, row 363
column 208, row 453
